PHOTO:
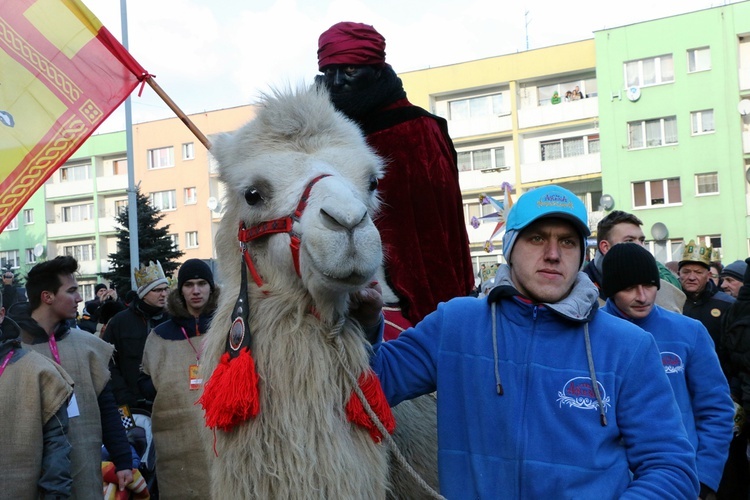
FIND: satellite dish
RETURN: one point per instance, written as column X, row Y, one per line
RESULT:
column 744, row 107
column 633, row 93
column 213, row 204
column 607, row 202
column 38, row 249
column 659, row 231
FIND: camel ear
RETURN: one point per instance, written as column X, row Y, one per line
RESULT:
column 221, row 147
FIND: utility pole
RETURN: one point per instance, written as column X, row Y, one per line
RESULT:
column 527, row 21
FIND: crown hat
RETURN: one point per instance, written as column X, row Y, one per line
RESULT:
column 149, row 277
column 696, row 253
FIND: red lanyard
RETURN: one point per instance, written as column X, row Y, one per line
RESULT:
column 6, row 361
column 197, row 354
column 53, row 348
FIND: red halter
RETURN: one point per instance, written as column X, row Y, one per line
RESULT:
column 280, row 225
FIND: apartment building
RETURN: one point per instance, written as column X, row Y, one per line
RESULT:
column 179, row 175
column 514, row 119
column 674, row 113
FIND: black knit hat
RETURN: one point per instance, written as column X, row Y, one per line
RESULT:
column 99, row 286
column 194, row 269
column 626, row 265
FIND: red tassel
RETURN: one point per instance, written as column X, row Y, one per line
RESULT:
column 231, row 394
column 373, row 392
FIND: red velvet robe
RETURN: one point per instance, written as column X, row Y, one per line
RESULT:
column 421, row 221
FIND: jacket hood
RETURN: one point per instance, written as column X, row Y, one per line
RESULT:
column 9, row 329
column 177, row 309
column 580, row 305
column 35, row 334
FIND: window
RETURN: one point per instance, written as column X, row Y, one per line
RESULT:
column 652, row 133
column 161, row 158
column 699, row 59
column 569, row 147
column 75, row 173
column 188, row 151
column 650, row 71
column 9, row 258
column 702, row 121
column 30, row 256
column 656, row 193
column 28, row 216
column 86, row 290
column 164, row 200
column 707, row 183
column 13, row 224
column 190, row 196
column 666, row 250
column 713, row 241
column 81, row 253
column 191, row 239
column 481, row 159
column 120, row 167
column 175, row 239
column 78, row 213
column 121, row 206
column 587, row 88
column 474, row 107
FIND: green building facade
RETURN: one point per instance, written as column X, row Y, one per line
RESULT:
column 671, row 116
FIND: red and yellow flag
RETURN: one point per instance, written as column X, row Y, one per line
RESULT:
column 61, row 75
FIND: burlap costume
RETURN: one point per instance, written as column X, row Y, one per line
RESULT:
column 85, row 358
column 177, row 423
column 32, row 390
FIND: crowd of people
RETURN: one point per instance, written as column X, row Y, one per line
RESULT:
column 614, row 377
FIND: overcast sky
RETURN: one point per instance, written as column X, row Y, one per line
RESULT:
column 213, row 54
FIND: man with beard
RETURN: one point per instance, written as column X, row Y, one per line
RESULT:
column 421, row 222
column 128, row 330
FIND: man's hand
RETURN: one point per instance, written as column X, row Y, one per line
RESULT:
column 366, row 305
column 124, row 478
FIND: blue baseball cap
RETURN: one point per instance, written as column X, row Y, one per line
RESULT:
column 547, row 201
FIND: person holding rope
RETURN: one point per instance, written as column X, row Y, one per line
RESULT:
column 539, row 394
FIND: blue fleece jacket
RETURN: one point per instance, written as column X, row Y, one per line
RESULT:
column 543, row 437
column 699, row 385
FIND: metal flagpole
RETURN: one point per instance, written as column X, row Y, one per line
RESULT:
column 132, row 208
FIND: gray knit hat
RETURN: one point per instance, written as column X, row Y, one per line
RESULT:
column 735, row 270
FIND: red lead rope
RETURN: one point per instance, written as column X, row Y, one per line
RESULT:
column 280, row 225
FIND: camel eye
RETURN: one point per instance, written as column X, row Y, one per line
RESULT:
column 373, row 183
column 252, row 196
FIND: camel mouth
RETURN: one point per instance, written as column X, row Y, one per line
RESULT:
column 352, row 279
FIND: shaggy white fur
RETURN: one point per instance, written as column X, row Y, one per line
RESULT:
column 301, row 444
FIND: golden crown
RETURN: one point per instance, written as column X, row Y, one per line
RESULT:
column 148, row 274
column 695, row 252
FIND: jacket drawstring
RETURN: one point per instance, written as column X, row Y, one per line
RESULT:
column 500, row 391
column 592, row 374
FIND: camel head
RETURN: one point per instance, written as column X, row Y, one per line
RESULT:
column 300, row 174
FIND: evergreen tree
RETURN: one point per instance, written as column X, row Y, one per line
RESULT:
column 153, row 244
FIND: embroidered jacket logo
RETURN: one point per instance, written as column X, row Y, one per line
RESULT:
column 672, row 363
column 579, row 393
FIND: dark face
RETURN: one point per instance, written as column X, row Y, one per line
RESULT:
column 341, row 78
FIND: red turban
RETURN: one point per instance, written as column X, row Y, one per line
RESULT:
column 351, row 43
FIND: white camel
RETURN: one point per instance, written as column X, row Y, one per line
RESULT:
column 302, row 181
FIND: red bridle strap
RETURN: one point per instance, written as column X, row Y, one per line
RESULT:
column 280, row 225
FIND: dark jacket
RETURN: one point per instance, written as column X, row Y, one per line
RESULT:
column 709, row 307
column 128, row 331
column 735, row 350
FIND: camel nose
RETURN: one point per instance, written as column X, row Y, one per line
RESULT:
column 347, row 216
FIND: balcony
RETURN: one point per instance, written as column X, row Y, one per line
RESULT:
column 475, row 180
column 70, row 189
column 562, row 168
column 479, row 126
column 537, row 116
column 111, row 183
column 64, row 230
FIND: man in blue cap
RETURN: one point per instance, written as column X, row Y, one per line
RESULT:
column 538, row 395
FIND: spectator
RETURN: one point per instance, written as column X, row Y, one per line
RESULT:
column 12, row 294
column 732, row 277
column 540, row 396
column 705, row 302
column 128, row 330
column 173, row 350
column 622, row 227
column 735, row 355
column 34, row 394
column 421, row 220
column 631, row 280
column 53, row 300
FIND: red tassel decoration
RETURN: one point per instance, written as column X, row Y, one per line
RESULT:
column 373, row 392
column 231, row 394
